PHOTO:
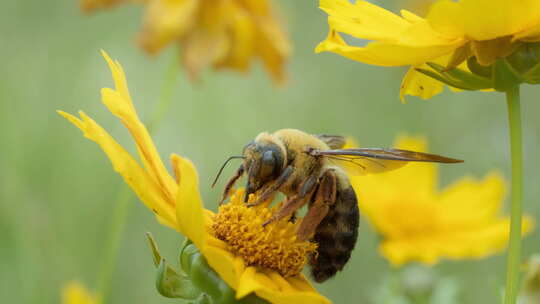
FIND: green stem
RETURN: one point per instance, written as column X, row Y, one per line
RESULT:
column 113, row 242
column 514, row 250
column 166, row 94
column 121, row 205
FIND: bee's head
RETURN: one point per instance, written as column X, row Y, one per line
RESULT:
column 263, row 161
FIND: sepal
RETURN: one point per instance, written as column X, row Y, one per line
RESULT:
column 195, row 281
column 502, row 74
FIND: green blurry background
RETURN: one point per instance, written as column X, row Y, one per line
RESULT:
column 58, row 191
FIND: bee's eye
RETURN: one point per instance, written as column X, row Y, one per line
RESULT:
column 268, row 164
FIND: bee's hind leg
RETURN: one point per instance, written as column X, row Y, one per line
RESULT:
column 295, row 202
column 324, row 198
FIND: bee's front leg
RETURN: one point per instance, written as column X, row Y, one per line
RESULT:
column 324, row 198
column 295, row 202
column 230, row 183
column 267, row 193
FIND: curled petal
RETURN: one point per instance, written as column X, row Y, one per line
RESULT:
column 134, row 175
column 119, row 103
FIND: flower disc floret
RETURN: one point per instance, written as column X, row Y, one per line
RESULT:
column 273, row 246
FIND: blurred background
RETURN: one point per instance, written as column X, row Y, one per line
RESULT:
column 57, row 189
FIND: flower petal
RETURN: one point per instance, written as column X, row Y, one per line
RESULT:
column 76, row 293
column 474, row 203
column 531, row 34
column 119, row 103
column 368, row 21
column 189, row 206
column 472, row 243
column 165, row 21
column 484, row 19
column 135, row 176
column 243, row 46
column 384, row 54
column 389, row 186
column 415, row 83
column 273, row 47
column 274, row 288
column 225, row 264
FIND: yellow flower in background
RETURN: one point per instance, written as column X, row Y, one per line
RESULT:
column 223, row 34
column 418, row 222
column 451, row 33
column 76, row 293
column 90, row 5
column 177, row 203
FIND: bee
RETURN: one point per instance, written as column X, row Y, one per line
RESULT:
column 312, row 169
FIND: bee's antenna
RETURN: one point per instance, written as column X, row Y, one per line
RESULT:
column 223, row 167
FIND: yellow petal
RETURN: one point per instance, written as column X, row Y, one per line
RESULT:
column 485, row 19
column 119, row 103
column 422, row 177
column 274, row 288
column 417, row 84
column 90, row 5
column 248, row 284
column 76, row 293
column 474, row 203
column 273, row 47
column 462, row 244
column 202, row 48
column 363, row 19
column 444, row 17
column 189, row 206
column 135, row 176
column 165, row 21
column 243, row 36
column 225, row 264
column 384, row 54
column 531, row 34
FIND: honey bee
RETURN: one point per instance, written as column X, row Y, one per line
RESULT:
column 312, row 169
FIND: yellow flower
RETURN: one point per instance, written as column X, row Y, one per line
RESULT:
column 417, row 222
column 177, row 203
column 452, row 32
column 219, row 33
column 76, row 293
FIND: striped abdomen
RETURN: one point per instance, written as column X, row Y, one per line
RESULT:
column 336, row 235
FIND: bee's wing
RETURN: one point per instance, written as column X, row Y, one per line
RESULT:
column 333, row 141
column 362, row 161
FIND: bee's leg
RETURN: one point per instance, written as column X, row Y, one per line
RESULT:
column 295, row 202
column 230, row 183
column 293, row 218
column 271, row 190
column 324, row 199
